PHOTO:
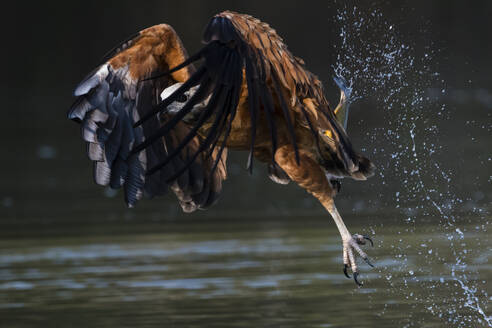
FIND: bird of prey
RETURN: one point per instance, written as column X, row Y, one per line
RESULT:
column 153, row 121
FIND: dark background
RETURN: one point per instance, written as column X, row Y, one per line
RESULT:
column 72, row 254
column 49, row 47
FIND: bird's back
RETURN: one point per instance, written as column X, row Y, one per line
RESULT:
column 294, row 89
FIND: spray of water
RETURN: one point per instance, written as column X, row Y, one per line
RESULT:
column 383, row 69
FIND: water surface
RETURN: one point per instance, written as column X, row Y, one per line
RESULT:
column 283, row 272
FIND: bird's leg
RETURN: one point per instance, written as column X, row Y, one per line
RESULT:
column 350, row 242
column 310, row 176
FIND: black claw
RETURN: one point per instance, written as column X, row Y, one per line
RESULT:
column 370, row 240
column 355, row 279
column 369, row 262
column 345, row 267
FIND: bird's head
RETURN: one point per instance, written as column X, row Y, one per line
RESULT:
column 179, row 103
column 330, row 152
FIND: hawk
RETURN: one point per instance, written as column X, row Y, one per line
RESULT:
column 153, row 121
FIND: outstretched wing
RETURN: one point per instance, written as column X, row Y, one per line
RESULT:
column 240, row 50
column 113, row 97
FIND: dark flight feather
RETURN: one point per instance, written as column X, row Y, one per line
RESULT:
column 116, row 107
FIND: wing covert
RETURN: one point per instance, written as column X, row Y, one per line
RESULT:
column 112, row 98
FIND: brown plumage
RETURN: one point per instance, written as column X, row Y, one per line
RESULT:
column 248, row 93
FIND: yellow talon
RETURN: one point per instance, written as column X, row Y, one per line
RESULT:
column 329, row 134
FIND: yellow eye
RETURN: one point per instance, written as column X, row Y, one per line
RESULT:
column 328, row 134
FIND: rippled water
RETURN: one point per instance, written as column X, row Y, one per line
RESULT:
column 229, row 273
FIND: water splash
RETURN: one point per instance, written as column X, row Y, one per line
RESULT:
column 386, row 71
